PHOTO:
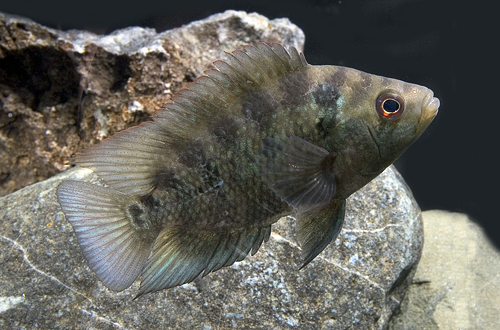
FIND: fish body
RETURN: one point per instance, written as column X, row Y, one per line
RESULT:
column 258, row 137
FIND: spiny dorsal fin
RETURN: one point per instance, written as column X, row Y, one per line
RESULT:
column 115, row 249
column 214, row 93
column 180, row 255
column 300, row 172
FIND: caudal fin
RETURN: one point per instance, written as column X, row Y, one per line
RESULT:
column 116, row 249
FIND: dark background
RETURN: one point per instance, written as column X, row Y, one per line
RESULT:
column 447, row 46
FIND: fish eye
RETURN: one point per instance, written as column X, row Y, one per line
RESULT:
column 389, row 105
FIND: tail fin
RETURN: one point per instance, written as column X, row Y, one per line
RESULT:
column 116, row 248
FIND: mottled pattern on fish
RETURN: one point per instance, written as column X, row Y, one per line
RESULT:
column 260, row 136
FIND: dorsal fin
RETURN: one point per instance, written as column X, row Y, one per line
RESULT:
column 127, row 160
column 214, row 93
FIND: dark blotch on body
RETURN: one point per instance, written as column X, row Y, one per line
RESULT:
column 166, row 179
column 225, row 131
column 155, row 209
column 151, row 202
column 209, row 173
column 192, row 153
column 337, row 79
column 138, row 217
column 326, row 97
column 260, row 107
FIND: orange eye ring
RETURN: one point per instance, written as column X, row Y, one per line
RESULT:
column 389, row 105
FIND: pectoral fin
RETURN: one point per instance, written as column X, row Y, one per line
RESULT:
column 315, row 230
column 300, row 172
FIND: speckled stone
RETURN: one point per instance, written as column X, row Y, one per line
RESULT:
column 63, row 90
column 457, row 283
column 356, row 283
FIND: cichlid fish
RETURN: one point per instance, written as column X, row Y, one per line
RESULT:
column 258, row 137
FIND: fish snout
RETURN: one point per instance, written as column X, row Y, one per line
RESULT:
column 430, row 106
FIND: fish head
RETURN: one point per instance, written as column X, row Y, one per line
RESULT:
column 377, row 119
column 396, row 115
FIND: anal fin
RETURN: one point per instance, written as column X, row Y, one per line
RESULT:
column 180, row 255
column 316, row 229
column 115, row 248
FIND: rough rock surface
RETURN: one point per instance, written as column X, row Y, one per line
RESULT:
column 60, row 91
column 356, row 283
column 457, row 283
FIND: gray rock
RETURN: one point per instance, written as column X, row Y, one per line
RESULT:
column 457, row 283
column 357, row 282
column 61, row 91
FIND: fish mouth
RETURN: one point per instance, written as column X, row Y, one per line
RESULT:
column 430, row 106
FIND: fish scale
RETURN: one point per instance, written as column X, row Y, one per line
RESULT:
column 260, row 136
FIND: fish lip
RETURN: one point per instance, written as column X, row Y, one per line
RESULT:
column 430, row 107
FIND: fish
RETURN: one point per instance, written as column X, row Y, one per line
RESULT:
column 259, row 136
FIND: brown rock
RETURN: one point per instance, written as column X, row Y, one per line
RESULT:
column 61, row 91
